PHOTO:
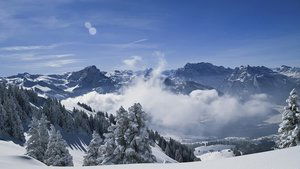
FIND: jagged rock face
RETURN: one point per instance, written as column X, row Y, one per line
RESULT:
column 90, row 78
column 247, row 80
column 184, row 87
column 203, row 73
column 293, row 72
column 242, row 81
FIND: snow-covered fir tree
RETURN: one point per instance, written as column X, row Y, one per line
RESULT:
column 122, row 124
column 138, row 148
column 113, row 150
column 127, row 141
column 12, row 121
column 289, row 129
column 2, row 119
column 107, row 150
column 90, row 159
column 38, row 138
column 57, row 153
column 43, row 132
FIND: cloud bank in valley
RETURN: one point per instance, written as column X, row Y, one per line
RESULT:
column 177, row 112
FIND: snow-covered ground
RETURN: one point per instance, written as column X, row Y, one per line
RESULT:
column 11, row 157
column 226, row 153
column 214, row 152
column 206, row 149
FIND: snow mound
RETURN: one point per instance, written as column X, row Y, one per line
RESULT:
column 212, row 148
column 216, row 155
column 12, row 156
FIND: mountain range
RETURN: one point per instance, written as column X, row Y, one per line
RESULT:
column 241, row 81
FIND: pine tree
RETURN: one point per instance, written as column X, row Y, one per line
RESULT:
column 122, row 123
column 90, row 159
column 13, row 124
column 2, row 119
column 34, row 147
column 107, row 151
column 138, row 148
column 57, row 154
column 112, row 119
column 178, row 156
column 127, row 141
column 168, row 151
column 289, row 129
column 43, row 132
column 39, row 137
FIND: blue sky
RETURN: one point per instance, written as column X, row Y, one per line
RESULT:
column 55, row 36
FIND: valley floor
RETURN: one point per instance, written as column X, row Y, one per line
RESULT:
column 11, row 157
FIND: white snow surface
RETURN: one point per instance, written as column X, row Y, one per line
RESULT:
column 226, row 153
column 11, row 157
column 42, row 88
column 70, row 89
column 212, row 148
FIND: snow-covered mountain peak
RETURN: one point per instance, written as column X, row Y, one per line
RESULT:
column 293, row 72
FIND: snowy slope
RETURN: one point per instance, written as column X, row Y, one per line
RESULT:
column 11, row 157
column 161, row 157
column 10, row 151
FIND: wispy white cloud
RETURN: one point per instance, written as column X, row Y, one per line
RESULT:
column 30, row 56
column 33, row 57
column 132, row 62
column 50, row 22
column 138, row 41
column 59, row 63
column 137, row 44
column 33, row 47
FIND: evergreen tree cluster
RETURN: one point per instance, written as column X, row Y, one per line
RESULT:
column 15, row 110
column 125, row 142
column 173, row 149
column 241, row 145
column 19, row 106
column 85, row 106
column 289, row 129
column 47, row 146
column 77, row 120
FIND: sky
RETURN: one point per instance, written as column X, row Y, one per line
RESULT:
column 56, row 36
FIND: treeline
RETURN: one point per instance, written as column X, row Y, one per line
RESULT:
column 85, row 106
column 173, row 149
column 242, row 146
column 75, row 121
column 16, row 111
column 19, row 106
